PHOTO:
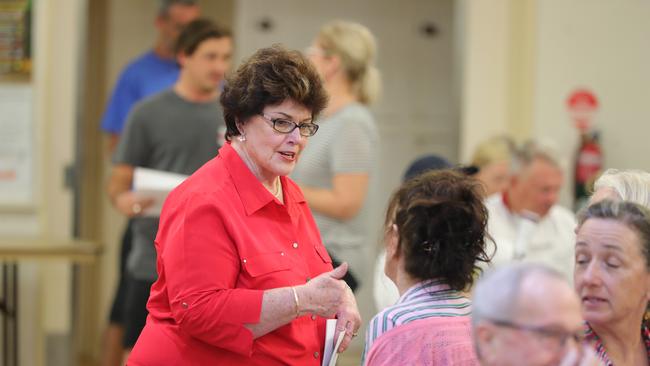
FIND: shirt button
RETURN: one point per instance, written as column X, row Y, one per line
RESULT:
column 244, row 261
column 184, row 305
column 316, row 354
column 282, row 253
column 295, row 245
column 313, row 316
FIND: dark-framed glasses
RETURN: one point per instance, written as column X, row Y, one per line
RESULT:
column 283, row 125
column 550, row 337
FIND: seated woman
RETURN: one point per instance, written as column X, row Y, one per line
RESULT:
column 384, row 291
column 434, row 237
column 612, row 278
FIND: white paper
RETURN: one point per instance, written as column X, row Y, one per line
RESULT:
column 155, row 184
column 330, row 354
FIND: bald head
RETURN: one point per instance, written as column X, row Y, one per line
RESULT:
column 514, row 306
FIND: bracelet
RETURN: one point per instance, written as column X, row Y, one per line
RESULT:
column 295, row 298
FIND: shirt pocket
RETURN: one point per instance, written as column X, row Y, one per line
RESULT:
column 322, row 253
column 263, row 264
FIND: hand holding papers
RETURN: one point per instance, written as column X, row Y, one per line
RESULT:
column 333, row 339
column 156, row 185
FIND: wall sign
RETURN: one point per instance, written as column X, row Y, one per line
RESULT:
column 16, row 146
column 582, row 105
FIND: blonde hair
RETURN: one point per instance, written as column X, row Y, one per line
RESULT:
column 492, row 150
column 630, row 185
column 356, row 47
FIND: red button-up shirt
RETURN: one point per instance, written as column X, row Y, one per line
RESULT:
column 222, row 240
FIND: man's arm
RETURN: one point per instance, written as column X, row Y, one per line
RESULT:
column 119, row 191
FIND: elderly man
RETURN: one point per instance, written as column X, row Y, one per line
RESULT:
column 525, row 221
column 528, row 314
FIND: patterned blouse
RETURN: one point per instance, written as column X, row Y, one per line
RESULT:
column 429, row 298
column 593, row 338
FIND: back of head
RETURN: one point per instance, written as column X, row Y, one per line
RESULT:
column 165, row 5
column 424, row 164
column 630, row 185
column 441, row 221
column 356, row 48
column 195, row 33
column 492, row 150
column 497, row 295
column 269, row 77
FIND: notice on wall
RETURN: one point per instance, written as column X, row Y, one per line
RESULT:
column 16, row 146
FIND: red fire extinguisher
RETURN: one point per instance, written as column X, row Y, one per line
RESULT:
column 589, row 162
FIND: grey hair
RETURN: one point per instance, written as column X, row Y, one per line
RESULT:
column 532, row 150
column 633, row 215
column 496, row 295
column 165, row 5
column 630, row 185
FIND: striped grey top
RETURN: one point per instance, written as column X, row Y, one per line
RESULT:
column 426, row 299
column 346, row 142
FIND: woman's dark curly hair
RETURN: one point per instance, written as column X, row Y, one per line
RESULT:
column 441, row 222
column 269, row 77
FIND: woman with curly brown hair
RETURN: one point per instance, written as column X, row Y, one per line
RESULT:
column 244, row 278
column 434, row 237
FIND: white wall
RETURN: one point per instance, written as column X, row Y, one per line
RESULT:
column 603, row 45
column 522, row 58
column 45, row 287
column 484, row 50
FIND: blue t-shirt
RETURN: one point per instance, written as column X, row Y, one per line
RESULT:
column 144, row 76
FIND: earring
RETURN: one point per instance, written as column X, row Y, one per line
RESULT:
column 241, row 138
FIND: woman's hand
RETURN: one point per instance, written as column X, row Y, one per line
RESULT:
column 328, row 295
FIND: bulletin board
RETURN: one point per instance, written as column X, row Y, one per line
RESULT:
column 16, row 106
column 15, row 37
column 16, row 147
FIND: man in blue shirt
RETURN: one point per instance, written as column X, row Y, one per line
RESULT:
column 152, row 72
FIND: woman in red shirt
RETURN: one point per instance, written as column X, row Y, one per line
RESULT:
column 243, row 277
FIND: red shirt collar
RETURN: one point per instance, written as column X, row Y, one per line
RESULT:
column 252, row 193
column 506, row 200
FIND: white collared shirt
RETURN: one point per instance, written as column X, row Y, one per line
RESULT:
column 550, row 241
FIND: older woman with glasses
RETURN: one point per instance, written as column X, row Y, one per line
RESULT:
column 612, row 278
column 244, row 278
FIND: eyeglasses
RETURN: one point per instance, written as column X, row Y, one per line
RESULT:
column 286, row 126
column 549, row 338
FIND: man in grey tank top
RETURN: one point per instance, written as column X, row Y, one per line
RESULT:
column 174, row 131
